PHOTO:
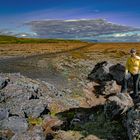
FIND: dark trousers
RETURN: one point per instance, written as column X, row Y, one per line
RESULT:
column 136, row 79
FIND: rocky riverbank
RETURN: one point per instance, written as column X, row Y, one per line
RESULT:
column 37, row 110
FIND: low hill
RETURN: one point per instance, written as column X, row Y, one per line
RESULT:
column 14, row 40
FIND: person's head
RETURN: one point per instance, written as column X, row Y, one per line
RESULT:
column 133, row 52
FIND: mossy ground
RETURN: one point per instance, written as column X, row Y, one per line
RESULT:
column 94, row 122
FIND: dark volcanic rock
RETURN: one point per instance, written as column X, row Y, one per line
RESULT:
column 3, row 82
column 106, row 71
column 109, row 88
column 101, row 72
column 117, row 72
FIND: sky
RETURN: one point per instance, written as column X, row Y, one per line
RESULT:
column 14, row 13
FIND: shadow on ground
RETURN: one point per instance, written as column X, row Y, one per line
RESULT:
column 93, row 121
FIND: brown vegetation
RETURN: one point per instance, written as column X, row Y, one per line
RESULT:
column 9, row 50
column 83, row 48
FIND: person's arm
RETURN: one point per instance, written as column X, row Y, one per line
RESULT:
column 139, row 67
column 137, row 57
column 126, row 67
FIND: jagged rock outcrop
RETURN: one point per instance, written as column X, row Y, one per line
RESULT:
column 108, row 88
column 4, row 113
column 117, row 72
column 101, row 72
column 106, row 71
column 122, row 106
column 3, row 82
column 15, row 123
column 35, row 134
column 118, row 104
column 25, row 102
column 29, row 109
column 133, row 123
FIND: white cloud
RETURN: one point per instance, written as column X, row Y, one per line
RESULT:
column 78, row 27
column 120, row 35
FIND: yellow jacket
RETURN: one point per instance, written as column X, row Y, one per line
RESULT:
column 133, row 65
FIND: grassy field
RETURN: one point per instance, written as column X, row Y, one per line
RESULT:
column 12, row 46
column 113, row 47
column 106, row 51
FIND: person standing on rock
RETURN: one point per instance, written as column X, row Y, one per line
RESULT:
column 132, row 69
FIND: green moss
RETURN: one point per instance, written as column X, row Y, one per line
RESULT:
column 100, row 126
column 35, row 121
column 69, row 115
column 53, row 114
column 76, row 94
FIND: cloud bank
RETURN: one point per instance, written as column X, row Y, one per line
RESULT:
column 85, row 29
column 133, row 36
column 82, row 29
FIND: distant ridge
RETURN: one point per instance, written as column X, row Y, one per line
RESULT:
column 89, row 30
column 5, row 39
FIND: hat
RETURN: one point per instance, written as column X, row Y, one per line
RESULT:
column 133, row 50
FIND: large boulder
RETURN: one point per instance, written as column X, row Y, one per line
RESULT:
column 117, row 72
column 3, row 82
column 133, row 123
column 101, row 72
column 109, row 88
column 93, row 95
column 15, row 123
column 20, row 101
column 36, row 133
column 106, row 71
column 4, row 113
column 118, row 104
column 35, row 108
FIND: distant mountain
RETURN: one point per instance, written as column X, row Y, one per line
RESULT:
column 84, row 29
